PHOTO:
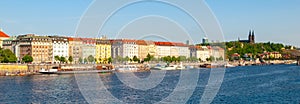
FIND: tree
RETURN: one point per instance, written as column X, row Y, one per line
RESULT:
column 62, row 59
column 91, row 59
column 173, row 59
column 135, row 59
column 85, row 60
column 110, row 60
column 7, row 56
column 181, row 58
column 57, row 58
column 80, row 60
column 70, row 59
column 27, row 59
column 126, row 58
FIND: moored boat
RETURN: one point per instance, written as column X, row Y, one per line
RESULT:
column 53, row 70
column 127, row 68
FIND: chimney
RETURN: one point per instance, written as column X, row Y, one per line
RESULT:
column 1, row 30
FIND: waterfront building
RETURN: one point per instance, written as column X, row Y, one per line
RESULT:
column 142, row 49
column 151, row 47
column 171, row 49
column 60, row 47
column 39, row 47
column 182, row 49
column 193, row 50
column 163, row 49
column 217, row 52
column 3, row 37
column 103, row 50
column 75, row 49
column 88, row 47
column 203, row 52
column 124, row 48
column 7, row 44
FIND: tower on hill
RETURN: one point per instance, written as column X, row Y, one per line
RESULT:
column 251, row 37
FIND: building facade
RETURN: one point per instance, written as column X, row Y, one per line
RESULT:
column 124, row 48
column 39, row 47
column 171, row 49
column 75, row 49
column 60, row 47
column 88, row 47
column 103, row 50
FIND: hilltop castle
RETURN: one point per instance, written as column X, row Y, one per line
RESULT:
column 251, row 38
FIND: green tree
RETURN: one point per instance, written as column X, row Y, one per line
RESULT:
column 85, row 60
column 126, row 58
column 7, row 56
column 80, row 60
column 70, row 59
column 27, row 59
column 57, row 58
column 182, row 58
column 173, row 59
column 62, row 59
column 91, row 59
column 110, row 60
column 135, row 59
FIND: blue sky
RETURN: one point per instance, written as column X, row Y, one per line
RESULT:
column 272, row 20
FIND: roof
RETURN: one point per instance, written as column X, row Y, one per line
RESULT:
column 141, row 42
column 2, row 34
column 170, row 44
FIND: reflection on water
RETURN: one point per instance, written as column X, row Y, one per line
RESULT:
column 256, row 84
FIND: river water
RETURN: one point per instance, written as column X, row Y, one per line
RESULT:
column 250, row 84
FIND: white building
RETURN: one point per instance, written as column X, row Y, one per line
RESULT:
column 171, row 49
column 124, row 48
column 60, row 47
column 203, row 53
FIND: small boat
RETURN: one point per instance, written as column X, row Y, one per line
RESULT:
column 190, row 67
column 127, row 68
column 53, row 70
column 229, row 65
column 171, row 67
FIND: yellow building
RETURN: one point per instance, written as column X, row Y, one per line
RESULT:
column 103, row 51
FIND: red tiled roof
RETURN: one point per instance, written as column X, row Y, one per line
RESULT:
column 2, row 34
column 141, row 42
column 71, row 39
column 169, row 44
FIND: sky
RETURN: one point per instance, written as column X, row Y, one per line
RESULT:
column 273, row 20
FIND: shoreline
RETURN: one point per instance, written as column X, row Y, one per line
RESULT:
column 33, row 69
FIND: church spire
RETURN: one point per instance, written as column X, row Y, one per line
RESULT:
column 253, row 37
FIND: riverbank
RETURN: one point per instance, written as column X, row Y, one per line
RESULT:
column 31, row 69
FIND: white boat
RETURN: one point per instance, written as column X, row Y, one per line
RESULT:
column 53, row 70
column 171, row 67
column 127, row 68
column 190, row 67
column 229, row 65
